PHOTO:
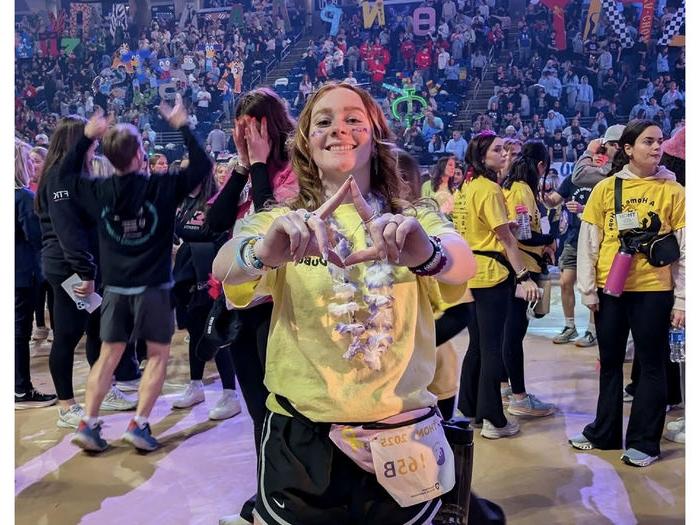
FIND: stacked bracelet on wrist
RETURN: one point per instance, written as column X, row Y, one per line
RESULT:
column 522, row 276
column 247, row 260
column 435, row 263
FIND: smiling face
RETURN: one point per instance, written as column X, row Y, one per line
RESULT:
column 340, row 135
column 645, row 153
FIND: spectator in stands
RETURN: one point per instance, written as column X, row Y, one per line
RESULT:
column 457, row 146
column 584, row 96
column 431, row 124
column 436, row 145
column 668, row 101
column 557, row 147
column 217, row 139
column 478, row 63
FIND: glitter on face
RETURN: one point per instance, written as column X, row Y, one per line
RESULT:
column 318, row 133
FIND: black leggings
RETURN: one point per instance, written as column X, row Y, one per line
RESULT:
column 647, row 315
column 480, row 391
column 673, row 381
column 70, row 325
column 43, row 296
column 24, row 310
column 248, row 351
column 452, row 322
column 195, row 320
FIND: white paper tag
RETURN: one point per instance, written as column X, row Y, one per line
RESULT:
column 90, row 303
column 414, row 463
column 627, row 220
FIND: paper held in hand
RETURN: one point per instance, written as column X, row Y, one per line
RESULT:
column 89, row 303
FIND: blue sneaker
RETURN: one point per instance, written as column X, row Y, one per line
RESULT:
column 89, row 438
column 140, row 438
column 637, row 458
column 581, row 442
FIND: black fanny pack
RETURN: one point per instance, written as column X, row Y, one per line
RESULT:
column 660, row 249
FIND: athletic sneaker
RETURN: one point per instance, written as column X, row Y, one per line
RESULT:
column 490, row 431
column 129, row 386
column 49, row 338
column 89, row 438
column 233, row 519
column 193, row 394
column 40, row 333
column 116, row 400
column 581, row 442
column 567, row 335
column 637, row 458
column 586, row 340
column 627, row 397
column 140, row 438
column 530, row 406
column 227, row 406
column 70, row 418
column 675, row 431
column 34, row 399
column 505, row 395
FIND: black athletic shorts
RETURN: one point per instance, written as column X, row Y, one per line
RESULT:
column 149, row 316
column 304, row 479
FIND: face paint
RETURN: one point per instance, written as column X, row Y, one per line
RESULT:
column 360, row 130
column 318, row 133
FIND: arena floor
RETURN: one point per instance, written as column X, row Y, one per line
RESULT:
column 207, row 469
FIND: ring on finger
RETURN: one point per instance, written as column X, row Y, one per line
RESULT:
column 374, row 216
column 307, row 217
column 392, row 221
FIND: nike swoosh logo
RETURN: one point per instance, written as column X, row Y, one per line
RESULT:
column 280, row 505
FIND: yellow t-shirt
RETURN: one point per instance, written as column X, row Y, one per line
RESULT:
column 304, row 354
column 660, row 207
column 520, row 193
column 479, row 209
column 444, row 198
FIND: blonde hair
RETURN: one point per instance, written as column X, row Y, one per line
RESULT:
column 101, row 167
column 23, row 164
column 384, row 178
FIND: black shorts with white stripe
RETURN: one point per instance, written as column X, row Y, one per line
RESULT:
column 304, row 479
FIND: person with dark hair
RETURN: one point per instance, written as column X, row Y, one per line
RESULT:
column 638, row 205
column 521, row 189
column 191, row 271
column 135, row 213
column 481, row 217
column 439, row 186
column 69, row 246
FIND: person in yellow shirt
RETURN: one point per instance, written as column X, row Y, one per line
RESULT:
column 651, row 204
column 352, row 337
column 520, row 189
column 480, row 215
column 439, row 186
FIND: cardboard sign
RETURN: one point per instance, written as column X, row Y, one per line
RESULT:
column 372, row 12
column 332, row 14
column 423, row 21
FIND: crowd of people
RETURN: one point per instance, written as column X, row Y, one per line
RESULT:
column 288, row 263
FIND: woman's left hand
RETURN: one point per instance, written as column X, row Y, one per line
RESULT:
column 399, row 239
column 257, row 141
column 678, row 318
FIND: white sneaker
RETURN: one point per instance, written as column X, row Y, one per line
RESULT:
column 676, row 425
column 129, row 386
column 49, row 338
column 193, row 394
column 233, row 519
column 116, row 400
column 40, row 333
column 70, row 418
column 226, row 407
column 490, row 431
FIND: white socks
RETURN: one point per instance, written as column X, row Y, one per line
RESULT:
column 569, row 322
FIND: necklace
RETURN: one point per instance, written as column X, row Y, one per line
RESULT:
column 371, row 338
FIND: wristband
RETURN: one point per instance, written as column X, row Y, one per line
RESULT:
column 522, row 277
column 435, row 263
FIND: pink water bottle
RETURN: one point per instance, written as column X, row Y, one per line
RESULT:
column 620, row 269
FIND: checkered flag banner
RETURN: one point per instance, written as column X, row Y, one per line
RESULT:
column 117, row 18
column 674, row 26
column 617, row 22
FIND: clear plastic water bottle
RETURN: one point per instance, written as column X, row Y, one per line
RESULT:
column 676, row 340
column 522, row 217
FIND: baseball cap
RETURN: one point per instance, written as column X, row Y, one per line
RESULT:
column 613, row 133
column 41, row 139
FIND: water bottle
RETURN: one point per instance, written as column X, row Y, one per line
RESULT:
column 455, row 503
column 676, row 340
column 620, row 269
column 522, row 217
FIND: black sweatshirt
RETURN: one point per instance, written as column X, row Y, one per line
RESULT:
column 135, row 214
column 222, row 213
column 68, row 233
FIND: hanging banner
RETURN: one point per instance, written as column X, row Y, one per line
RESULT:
column 80, row 17
column 558, row 22
column 673, row 29
column 592, row 18
column 117, row 18
column 372, row 12
column 646, row 21
column 617, row 23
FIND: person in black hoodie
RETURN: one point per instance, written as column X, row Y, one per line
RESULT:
column 135, row 216
column 192, row 269
column 69, row 246
column 27, row 273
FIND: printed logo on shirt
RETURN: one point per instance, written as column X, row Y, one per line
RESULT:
column 131, row 231
column 61, row 195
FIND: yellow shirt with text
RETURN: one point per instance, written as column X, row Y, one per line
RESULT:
column 660, row 207
column 304, row 354
column 480, row 208
column 520, row 193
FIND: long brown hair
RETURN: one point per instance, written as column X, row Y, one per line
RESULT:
column 439, row 170
column 384, row 178
column 263, row 102
column 65, row 137
column 22, row 164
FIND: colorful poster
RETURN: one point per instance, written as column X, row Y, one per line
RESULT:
column 592, row 18
column 646, row 21
column 423, row 21
column 237, row 68
column 372, row 12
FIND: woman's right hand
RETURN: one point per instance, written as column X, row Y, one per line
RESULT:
column 257, row 141
column 531, row 290
column 239, row 134
column 301, row 233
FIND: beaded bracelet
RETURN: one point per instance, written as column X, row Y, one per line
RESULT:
column 247, row 260
column 436, row 263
